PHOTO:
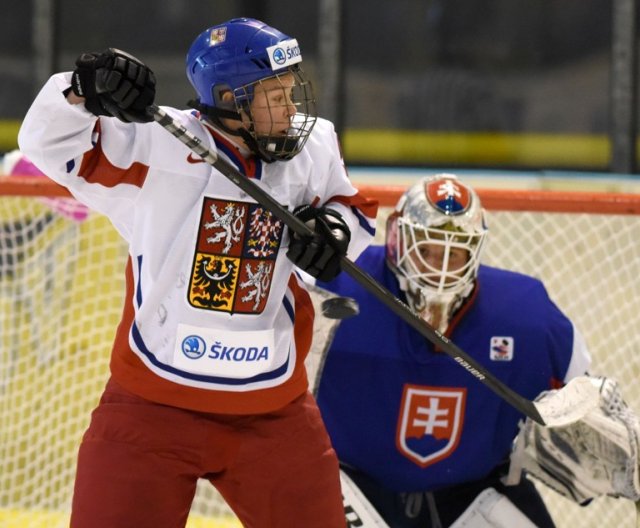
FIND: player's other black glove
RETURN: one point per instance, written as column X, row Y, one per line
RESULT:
column 319, row 255
column 116, row 84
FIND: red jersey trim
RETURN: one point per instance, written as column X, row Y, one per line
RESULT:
column 305, row 314
column 368, row 206
column 250, row 167
column 555, row 383
column 96, row 168
column 466, row 306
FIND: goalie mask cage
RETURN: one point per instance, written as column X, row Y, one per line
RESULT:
column 61, row 290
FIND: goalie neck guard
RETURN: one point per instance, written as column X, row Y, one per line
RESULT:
column 434, row 241
column 239, row 56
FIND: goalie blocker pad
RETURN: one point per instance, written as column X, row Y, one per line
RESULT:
column 594, row 456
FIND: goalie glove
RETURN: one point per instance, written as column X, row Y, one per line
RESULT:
column 114, row 83
column 594, row 456
column 319, row 254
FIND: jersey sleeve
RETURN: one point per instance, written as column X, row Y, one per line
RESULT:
column 336, row 191
column 570, row 355
column 102, row 161
column 580, row 357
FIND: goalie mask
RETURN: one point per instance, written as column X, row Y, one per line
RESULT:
column 434, row 241
column 254, row 63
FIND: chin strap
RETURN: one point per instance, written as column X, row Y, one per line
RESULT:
column 215, row 114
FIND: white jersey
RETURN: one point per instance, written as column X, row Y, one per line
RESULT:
column 215, row 318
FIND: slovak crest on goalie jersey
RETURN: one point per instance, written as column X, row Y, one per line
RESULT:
column 235, row 257
column 430, row 422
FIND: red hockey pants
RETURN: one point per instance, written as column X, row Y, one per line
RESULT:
column 139, row 462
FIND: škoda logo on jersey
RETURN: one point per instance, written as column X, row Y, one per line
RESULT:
column 235, row 257
column 430, row 422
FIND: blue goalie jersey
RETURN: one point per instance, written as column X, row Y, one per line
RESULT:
column 410, row 417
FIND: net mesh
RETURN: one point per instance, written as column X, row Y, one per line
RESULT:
column 61, row 290
column 590, row 265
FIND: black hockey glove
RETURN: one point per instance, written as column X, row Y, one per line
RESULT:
column 319, row 255
column 116, row 84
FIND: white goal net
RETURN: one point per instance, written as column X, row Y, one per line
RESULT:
column 61, row 291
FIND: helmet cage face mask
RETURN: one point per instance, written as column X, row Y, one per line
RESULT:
column 416, row 243
column 286, row 97
column 434, row 243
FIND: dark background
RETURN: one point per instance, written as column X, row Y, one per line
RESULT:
column 452, row 66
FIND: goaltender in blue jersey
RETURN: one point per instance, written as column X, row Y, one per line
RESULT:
column 420, row 436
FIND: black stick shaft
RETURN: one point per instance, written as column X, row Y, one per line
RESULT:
column 522, row 404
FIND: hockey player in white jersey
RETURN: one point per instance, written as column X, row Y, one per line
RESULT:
column 427, row 444
column 207, row 369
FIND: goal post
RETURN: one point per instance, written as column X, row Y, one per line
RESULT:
column 61, row 294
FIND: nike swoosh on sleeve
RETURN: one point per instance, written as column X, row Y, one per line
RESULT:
column 194, row 159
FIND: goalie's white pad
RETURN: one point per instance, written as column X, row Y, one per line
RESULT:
column 357, row 508
column 324, row 330
column 571, row 403
column 594, row 456
column 491, row 509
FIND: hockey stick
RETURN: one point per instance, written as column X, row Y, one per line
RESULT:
column 527, row 407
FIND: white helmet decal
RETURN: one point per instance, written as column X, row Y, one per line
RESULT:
column 284, row 54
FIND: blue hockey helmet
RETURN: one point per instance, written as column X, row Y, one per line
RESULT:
column 235, row 57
